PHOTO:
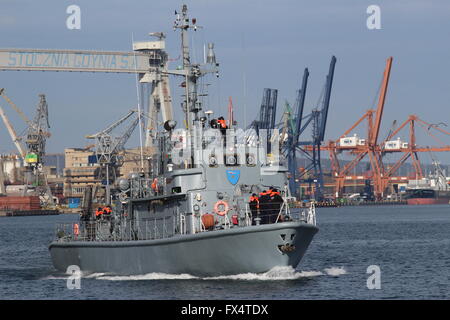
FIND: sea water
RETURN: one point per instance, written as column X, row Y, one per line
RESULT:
column 409, row 246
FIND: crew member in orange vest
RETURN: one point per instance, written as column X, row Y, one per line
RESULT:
column 99, row 213
column 264, row 198
column 154, row 185
column 107, row 211
column 223, row 129
column 275, row 204
column 222, row 123
column 254, row 205
column 274, row 192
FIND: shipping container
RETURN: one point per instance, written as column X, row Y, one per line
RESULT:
column 20, row 203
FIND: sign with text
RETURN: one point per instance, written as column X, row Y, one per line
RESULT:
column 73, row 60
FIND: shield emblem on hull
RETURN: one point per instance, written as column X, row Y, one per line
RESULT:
column 233, row 176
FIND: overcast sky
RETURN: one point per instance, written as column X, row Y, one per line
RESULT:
column 259, row 44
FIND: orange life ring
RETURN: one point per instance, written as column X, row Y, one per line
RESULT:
column 225, row 205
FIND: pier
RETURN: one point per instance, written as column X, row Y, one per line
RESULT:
column 21, row 213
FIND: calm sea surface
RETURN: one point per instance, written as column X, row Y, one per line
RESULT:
column 410, row 244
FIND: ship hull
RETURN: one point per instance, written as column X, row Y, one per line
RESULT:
column 252, row 249
column 427, row 196
column 418, row 201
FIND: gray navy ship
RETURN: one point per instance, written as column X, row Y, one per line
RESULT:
column 191, row 213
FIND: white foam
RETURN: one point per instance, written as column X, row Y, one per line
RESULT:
column 148, row 276
column 335, row 271
column 92, row 275
column 275, row 274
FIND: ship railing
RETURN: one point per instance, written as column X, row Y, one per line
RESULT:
column 164, row 227
column 63, row 231
column 284, row 211
column 149, row 229
column 152, row 229
column 67, row 232
column 285, row 214
column 248, row 215
column 223, row 222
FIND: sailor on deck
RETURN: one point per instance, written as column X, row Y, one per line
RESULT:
column 276, row 202
column 107, row 211
column 99, row 213
column 254, row 205
column 264, row 207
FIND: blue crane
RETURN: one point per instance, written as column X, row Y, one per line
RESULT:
column 267, row 115
column 294, row 133
column 317, row 120
column 109, row 149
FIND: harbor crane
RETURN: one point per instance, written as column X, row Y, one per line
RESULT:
column 380, row 175
column 317, row 119
column 109, row 148
column 267, row 115
column 410, row 149
column 364, row 147
column 33, row 154
column 149, row 61
column 295, row 122
column 15, row 138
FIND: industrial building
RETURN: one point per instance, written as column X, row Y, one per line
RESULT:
column 82, row 170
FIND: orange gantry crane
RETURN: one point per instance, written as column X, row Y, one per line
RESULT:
column 362, row 147
column 375, row 150
column 410, row 148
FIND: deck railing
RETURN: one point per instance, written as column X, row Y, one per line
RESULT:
column 110, row 229
column 121, row 230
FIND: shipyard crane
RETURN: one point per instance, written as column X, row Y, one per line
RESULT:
column 294, row 133
column 410, row 149
column 36, row 137
column 268, row 109
column 380, row 175
column 376, row 150
column 267, row 115
column 383, row 145
column 34, row 152
column 317, row 119
column 149, row 61
column 37, row 133
column 108, row 148
column 362, row 147
column 14, row 106
column 15, row 138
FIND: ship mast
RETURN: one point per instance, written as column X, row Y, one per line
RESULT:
column 192, row 72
